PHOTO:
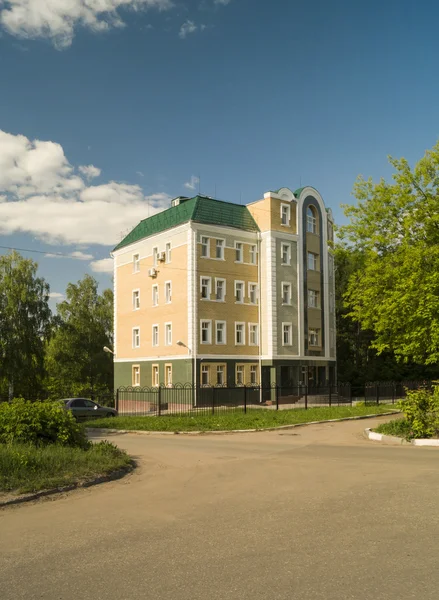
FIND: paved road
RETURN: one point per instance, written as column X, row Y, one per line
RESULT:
column 313, row 513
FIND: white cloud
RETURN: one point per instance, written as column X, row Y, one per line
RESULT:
column 90, row 171
column 187, row 28
column 223, row 2
column 140, row 174
column 192, row 184
column 56, row 295
column 42, row 195
column 77, row 255
column 57, row 19
column 105, row 265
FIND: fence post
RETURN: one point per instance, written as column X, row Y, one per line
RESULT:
column 277, row 397
column 377, row 389
column 330, row 399
column 245, row 398
column 117, row 400
column 350, row 393
column 159, row 401
column 393, row 393
column 306, row 396
column 213, row 400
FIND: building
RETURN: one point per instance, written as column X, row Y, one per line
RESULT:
column 209, row 292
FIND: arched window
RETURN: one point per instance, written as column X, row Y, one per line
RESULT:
column 311, row 220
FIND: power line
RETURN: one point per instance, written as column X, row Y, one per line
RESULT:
column 43, row 252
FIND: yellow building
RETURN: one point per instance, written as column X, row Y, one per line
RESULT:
column 212, row 293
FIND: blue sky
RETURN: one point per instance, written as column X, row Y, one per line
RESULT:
column 249, row 95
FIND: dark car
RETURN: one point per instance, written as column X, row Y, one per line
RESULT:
column 84, row 409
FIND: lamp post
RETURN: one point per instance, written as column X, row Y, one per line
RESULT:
column 108, row 350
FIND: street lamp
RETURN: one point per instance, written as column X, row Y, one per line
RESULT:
column 106, row 349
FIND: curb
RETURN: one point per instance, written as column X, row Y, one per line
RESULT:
column 68, row 488
column 96, row 430
column 392, row 439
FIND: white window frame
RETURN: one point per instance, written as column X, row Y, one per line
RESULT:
column 155, row 288
column 155, row 327
column 282, row 247
column 168, row 251
column 224, row 342
column 155, row 371
column 314, row 263
column 209, row 287
column 288, row 214
column 136, row 337
column 290, row 334
column 254, row 369
column 168, row 333
column 313, row 331
column 206, row 246
column 287, row 284
column 311, row 220
column 236, row 333
column 253, row 252
column 136, row 299
column 221, row 368
column 155, row 256
column 136, row 263
column 168, row 369
column 256, row 330
column 209, row 330
column 252, row 284
column 205, row 369
column 217, row 279
column 168, row 297
column 241, row 368
column 223, row 245
column 242, row 284
column 135, row 376
column 315, row 294
column 239, row 247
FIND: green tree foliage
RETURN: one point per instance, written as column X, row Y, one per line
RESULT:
column 75, row 362
column 395, row 229
column 24, row 325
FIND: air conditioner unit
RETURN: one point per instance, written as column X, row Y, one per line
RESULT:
column 152, row 272
column 162, row 256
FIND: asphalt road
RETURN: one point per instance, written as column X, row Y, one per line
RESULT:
column 313, row 513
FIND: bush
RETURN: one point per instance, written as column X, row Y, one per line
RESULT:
column 421, row 410
column 39, row 423
column 398, row 428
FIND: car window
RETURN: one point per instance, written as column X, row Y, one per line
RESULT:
column 77, row 403
column 89, row 404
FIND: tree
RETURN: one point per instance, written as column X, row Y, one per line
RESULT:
column 75, row 362
column 25, row 319
column 395, row 229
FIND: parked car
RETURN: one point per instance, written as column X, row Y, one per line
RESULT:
column 84, row 409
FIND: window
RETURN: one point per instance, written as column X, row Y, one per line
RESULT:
column 168, row 252
column 239, row 334
column 136, row 337
column 136, row 263
column 313, row 337
column 239, row 291
column 220, row 292
column 155, row 295
column 155, row 256
column 155, row 335
column 286, row 334
column 220, row 379
column 205, row 288
column 286, row 254
column 205, row 247
column 136, row 299
column 312, row 261
column 220, row 332
column 205, row 374
column 168, row 334
column 168, row 375
column 253, row 254
column 313, row 299
column 239, row 374
column 311, row 221
column 253, row 336
column 168, row 292
column 253, row 293
column 286, row 293
column 136, row 376
column 253, row 374
column 155, row 375
column 206, row 332
column 219, row 249
column 285, row 214
column 239, row 251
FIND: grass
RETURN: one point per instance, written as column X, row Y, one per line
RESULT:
column 398, row 428
column 27, row 468
column 254, row 419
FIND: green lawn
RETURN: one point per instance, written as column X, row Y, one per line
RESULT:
column 26, row 468
column 397, row 427
column 254, row 419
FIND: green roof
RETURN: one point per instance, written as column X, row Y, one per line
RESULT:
column 200, row 209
